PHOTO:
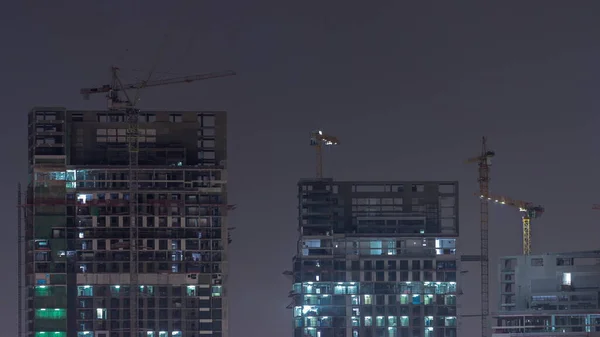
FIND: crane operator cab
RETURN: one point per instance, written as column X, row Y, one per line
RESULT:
column 534, row 212
column 315, row 138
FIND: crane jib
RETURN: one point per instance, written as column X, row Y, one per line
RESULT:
column 144, row 84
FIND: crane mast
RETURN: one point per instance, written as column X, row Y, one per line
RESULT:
column 484, row 162
column 128, row 106
column 132, row 115
column 528, row 211
column 132, row 118
column 318, row 139
column 20, row 240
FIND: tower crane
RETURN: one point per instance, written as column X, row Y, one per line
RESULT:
column 114, row 92
column 318, row 139
column 484, row 161
column 528, row 211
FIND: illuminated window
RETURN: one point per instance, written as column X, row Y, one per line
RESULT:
column 50, row 334
column 376, row 247
column 100, row 313
column 48, row 313
column 217, row 291
column 42, row 291
column 191, row 291
column 85, row 291
column 115, row 290
column 566, row 279
column 450, row 321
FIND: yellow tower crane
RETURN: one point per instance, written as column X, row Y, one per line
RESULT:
column 528, row 211
column 318, row 139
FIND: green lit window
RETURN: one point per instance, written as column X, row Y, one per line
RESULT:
column 85, row 334
column 445, row 287
column 217, row 291
column 85, row 291
column 48, row 313
column 450, row 300
column 42, row 291
column 50, row 334
column 450, row 321
column 147, row 290
column 115, row 290
column 191, row 291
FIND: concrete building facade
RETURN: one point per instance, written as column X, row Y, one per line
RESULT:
column 375, row 259
column 550, row 294
column 76, row 253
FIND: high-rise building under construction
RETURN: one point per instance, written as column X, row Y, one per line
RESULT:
column 76, row 247
column 376, row 259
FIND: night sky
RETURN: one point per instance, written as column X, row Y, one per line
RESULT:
column 408, row 87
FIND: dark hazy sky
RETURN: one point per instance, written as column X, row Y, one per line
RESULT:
column 408, row 87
